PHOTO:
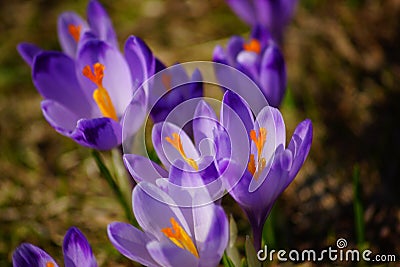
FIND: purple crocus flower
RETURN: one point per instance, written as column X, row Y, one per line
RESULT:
column 274, row 15
column 76, row 249
column 186, row 164
column 85, row 98
column 271, row 166
column 171, row 236
column 260, row 59
column 87, row 88
column 71, row 28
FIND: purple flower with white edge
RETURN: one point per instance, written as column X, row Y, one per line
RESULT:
column 71, row 28
column 171, row 236
column 260, row 59
column 274, row 15
column 76, row 249
column 186, row 164
column 85, row 99
column 271, row 167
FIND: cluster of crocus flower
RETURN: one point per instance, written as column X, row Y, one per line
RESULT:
column 93, row 93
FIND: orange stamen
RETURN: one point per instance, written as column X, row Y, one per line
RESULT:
column 253, row 46
column 179, row 237
column 49, row 264
column 100, row 95
column 75, row 31
column 256, row 168
column 176, row 142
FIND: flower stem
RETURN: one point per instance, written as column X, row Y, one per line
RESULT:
column 106, row 174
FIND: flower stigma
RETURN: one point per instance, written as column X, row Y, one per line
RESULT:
column 100, row 95
column 49, row 264
column 176, row 142
column 75, row 31
column 253, row 46
column 179, row 237
column 259, row 141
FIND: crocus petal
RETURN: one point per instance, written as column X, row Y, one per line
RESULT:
column 170, row 255
column 185, row 187
column 77, row 251
column 143, row 169
column 271, row 119
column 32, row 256
column 63, row 120
column 99, row 133
column 273, row 75
column 54, row 76
column 300, row 145
column 232, row 102
column 67, row 41
column 212, row 233
column 237, row 119
column 195, row 86
column 178, row 175
column 134, row 117
column 275, row 15
column 244, row 9
column 153, row 210
column 117, row 80
column 100, row 23
column 204, row 122
column 140, row 59
column 262, row 34
column 130, row 242
column 28, row 52
column 165, row 151
column 233, row 48
column 219, row 55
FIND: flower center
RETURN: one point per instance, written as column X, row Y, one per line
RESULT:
column 179, row 237
column 100, row 95
column 75, row 31
column 49, row 264
column 255, row 168
column 176, row 142
column 253, row 46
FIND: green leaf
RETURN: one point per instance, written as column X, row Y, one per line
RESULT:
column 232, row 250
column 251, row 254
column 227, row 261
column 106, row 174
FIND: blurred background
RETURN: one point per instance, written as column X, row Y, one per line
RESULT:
column 343, row 64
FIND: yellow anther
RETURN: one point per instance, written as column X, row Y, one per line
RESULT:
column 49, row 264
column 176, row 142
column 179, row 237
column 75, row 31
column 253, row 46
column 166, row 80
column 100, row 95
column 256, row 168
